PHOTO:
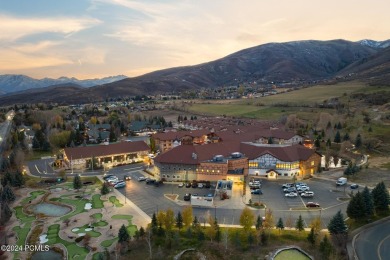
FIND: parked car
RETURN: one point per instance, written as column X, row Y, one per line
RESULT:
column 257, row 191
column 150, row 181
column 108, row 176
column 208, row 185
column 312, row 205
column 303, row 188
column 188, row 185
column 181, row 185
column 127, row 178
column 120, row 184
column 187, row 197
column 141, row 178
column 288, row 190
column 112, row 179
column 307, row 194
column 287, row 185
column 200, row 185
column 354, row 186
column 194, row 185
column 291, row 195
column 210, row 195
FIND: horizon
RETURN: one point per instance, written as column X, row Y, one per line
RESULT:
column 84, row 40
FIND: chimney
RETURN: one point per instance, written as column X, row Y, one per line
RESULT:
column 194, row 156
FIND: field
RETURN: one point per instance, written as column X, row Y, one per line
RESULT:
column 272, row 107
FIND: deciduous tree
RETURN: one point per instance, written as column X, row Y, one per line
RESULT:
column 187, row 216
column 247, row 219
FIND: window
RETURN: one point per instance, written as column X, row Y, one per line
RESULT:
column 312, row 163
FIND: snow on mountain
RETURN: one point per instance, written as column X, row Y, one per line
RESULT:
column 375, row 44
column 12, row 83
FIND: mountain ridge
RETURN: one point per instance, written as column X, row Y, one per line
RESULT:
column 298, row 62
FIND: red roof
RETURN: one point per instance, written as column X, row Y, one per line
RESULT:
column 106, row 150
column 178, row 135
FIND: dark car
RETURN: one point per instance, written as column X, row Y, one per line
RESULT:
column 207, row 185
column 312, row 205
column 127, row 178
column 150, row 181
column 258, row 191
column 354, row 186
column 194, row 185
column 188, row 185
column 187, row 197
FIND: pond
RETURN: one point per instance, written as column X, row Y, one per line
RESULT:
column 291, row 254
column 47, row 255
column 50, row 209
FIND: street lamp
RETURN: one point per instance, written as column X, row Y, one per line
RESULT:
column 215, row 211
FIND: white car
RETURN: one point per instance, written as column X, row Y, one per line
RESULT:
column 112, row 179
column 141, row 178
column 291, row 195
column 307, row 194
column 303, row 188
column 181, row 185
column 200, row 185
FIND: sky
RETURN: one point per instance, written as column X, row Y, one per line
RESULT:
column 98, row 38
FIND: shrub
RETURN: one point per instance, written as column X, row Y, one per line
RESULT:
column 78, row 239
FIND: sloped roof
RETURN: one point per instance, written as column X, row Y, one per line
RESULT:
column 105, row 150
column 177, row 135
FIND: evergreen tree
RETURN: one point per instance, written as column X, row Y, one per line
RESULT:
column 299, row 224
column 77, row 184
column 263, row 238
column 270, row 140
column 7, row 195
column 339, row 126
column 141, row 232
column 368, row 202
column 105, row 189
column 346, row 137
column 280, row 225
column 195, row 223
column 251, row 239
column 337, row 138
column 380, row 196
column 6, row 213
column 179, row 221
column 123, row 234
column 317, row 143
column 325, row 247
column 323, row 133
column 370, row 129
column 259, row 222
column 337, row 224
column 358, row 141
column 154, row 224
column 328, row 143
column 311, row 237
column 356, row 207
column 19, row 179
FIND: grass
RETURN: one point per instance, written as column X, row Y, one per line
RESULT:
column 79, row 204
column 101, row 223
column 109, row 242
column 130, row 228
column 22, row 233
column 36, row 155
column 115, row 201
column 74, row 251
column 92, row 233
column 386, row 165
column 22, row 216
column 33, row 195
column 97, row 203
column 97, row 216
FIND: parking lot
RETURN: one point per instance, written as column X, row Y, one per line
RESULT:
column 151, row 199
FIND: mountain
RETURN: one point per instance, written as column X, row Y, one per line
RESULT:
column 375, row 44
column 374, row 69
column 273, row 63
column 12, row 83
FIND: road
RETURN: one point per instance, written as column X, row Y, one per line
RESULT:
column 5, row 127
column 374, row 243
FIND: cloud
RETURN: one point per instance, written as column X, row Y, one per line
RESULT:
column 16, row 27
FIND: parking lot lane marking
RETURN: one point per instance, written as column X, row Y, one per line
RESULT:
column 333, row 206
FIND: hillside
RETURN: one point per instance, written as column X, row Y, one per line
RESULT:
column 299, row 62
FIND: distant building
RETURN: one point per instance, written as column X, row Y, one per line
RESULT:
column 105, row 155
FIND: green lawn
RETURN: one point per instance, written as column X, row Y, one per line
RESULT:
column 115, row 201
column 22, row 233
column 101, row 223
column 21, row 216
column 79, row 204
column 97, row 203
column 33, row 195
column 97, row 216
column 74, row 251
column 109, row 242
column 130, row 228
column 92, row 233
